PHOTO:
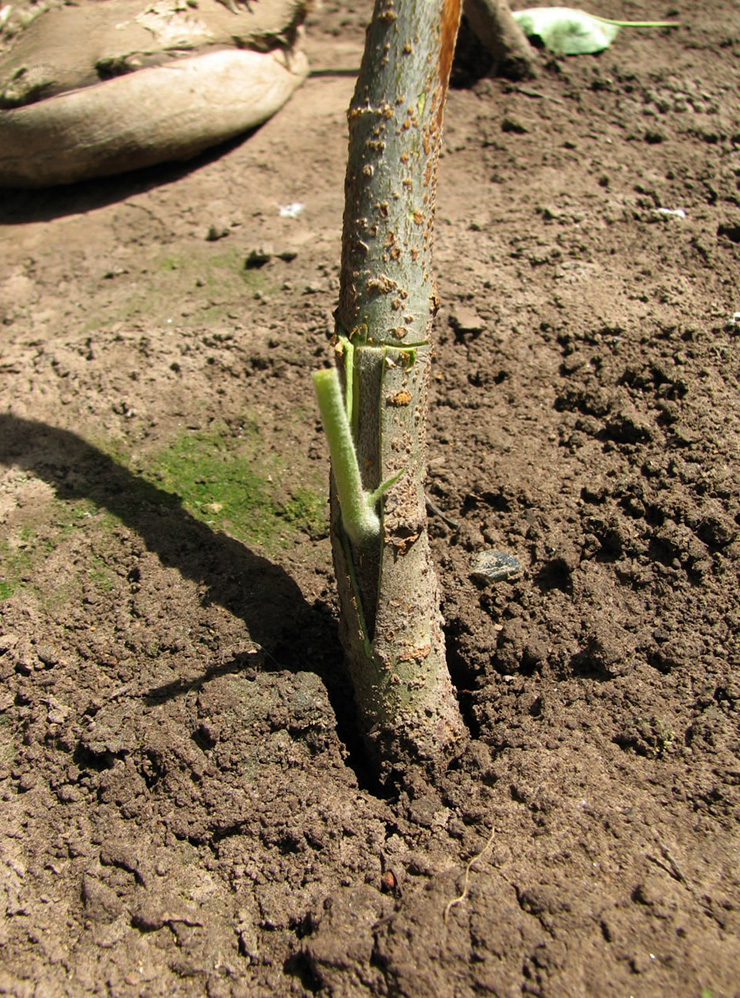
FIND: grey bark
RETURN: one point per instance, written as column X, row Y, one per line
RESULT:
column 391, row 621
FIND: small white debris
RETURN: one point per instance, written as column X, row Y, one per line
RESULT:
column 291, row 210
column 671, row 212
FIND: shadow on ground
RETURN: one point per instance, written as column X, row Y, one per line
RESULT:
column 246, row 584
column 19, row 206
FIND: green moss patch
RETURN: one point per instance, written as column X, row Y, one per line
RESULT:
column 232, row 485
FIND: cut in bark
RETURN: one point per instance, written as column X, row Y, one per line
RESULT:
column 390, row 617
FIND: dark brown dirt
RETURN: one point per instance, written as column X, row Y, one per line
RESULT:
column 185, row 810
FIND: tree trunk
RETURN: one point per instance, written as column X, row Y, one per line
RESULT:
column 391, row 621
column 497, row 31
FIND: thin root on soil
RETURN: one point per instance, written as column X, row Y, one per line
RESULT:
column 466, row 880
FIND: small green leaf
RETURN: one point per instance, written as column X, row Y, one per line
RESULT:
column 565, row 31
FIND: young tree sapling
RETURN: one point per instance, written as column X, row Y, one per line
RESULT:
column 376, row 421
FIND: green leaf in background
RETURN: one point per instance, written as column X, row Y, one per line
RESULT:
column 565, row 31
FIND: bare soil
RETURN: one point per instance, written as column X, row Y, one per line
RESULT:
column 185, row 806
